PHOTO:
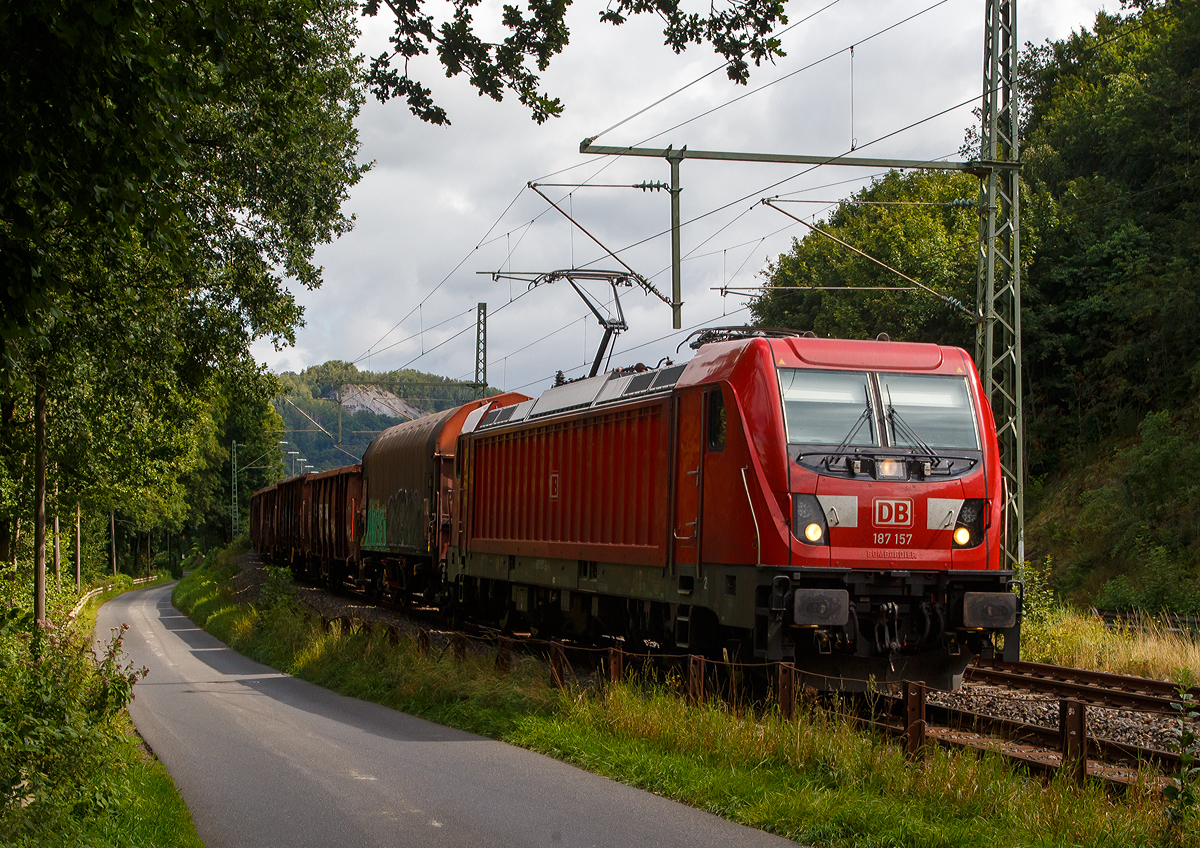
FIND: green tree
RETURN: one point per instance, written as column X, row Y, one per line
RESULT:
column 905, row 220
column 133, row 328
column 1111, row 297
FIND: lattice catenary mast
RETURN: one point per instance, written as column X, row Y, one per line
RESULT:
column 998, row 337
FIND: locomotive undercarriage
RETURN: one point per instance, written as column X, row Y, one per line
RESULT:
column 896, row 624
column 861, row 626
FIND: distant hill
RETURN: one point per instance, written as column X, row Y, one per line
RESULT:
column 327, row 434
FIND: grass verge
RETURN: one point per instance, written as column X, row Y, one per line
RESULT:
column 143, row 808
column 816, row 780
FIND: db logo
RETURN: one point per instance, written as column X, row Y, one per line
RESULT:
column 896, row 513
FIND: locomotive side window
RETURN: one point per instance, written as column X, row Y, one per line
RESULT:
column 935, row 409
column 716, row 420
column 827, row 407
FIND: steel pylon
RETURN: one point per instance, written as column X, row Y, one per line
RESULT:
column 998, row 338
column 480, row 350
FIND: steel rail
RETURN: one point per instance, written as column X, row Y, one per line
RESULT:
column 1096, row 688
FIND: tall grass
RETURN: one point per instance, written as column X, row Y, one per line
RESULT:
column 1149, row 649
column 817, row 779
column 1052, row 632
column 821, row 781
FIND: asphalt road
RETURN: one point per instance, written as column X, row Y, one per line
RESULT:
column 264, row 759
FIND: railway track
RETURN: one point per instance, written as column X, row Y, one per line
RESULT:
column 1095, row 688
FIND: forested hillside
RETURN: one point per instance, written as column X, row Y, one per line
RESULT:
column 1111, row 297
column 308, row 404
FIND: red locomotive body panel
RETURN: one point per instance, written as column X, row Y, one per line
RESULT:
column 868, row 539
column 587, row 487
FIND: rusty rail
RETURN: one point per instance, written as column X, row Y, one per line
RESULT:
column 1095, row 688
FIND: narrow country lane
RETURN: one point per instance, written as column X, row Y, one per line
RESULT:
column 264, row 759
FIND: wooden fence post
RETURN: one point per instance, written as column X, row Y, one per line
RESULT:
column 616, row 665
column 695, row 679
column 1072, row 728
column 785, row 691
column 504, row 654
column 914, row 719
column 423, row 643
column 458, row 644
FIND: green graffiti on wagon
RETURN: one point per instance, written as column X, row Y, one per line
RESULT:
column 376, row 537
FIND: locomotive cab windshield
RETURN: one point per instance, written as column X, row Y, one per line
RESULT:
column 888, row 425
column 878, row 409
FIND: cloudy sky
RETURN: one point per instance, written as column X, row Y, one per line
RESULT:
column 445, row 203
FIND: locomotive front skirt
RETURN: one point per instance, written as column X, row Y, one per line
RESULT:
column 837, row 504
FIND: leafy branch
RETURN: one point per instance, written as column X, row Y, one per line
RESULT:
column 740, row 32
column 1184, row 795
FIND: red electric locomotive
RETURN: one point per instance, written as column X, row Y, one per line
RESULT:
column 833, row 503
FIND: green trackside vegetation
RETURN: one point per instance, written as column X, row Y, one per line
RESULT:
column 72, row 770
column 817, row 780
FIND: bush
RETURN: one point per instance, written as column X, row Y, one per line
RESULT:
column 1162, row 584
column 59, row 725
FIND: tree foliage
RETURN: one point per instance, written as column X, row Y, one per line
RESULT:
column 905, row 220
column 207, row 142
column 1112, row 295
column 231, row 156
column 1111, row 298
column 739, row 31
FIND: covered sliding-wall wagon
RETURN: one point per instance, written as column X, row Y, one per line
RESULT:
column 407, row 496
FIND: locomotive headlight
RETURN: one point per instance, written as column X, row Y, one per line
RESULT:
column 808, row 520
column 890, row 469
column 968, row 529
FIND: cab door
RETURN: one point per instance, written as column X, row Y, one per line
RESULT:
column 689, row 477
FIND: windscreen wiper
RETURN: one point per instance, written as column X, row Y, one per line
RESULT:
column 866, row 415
column 899, row 425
